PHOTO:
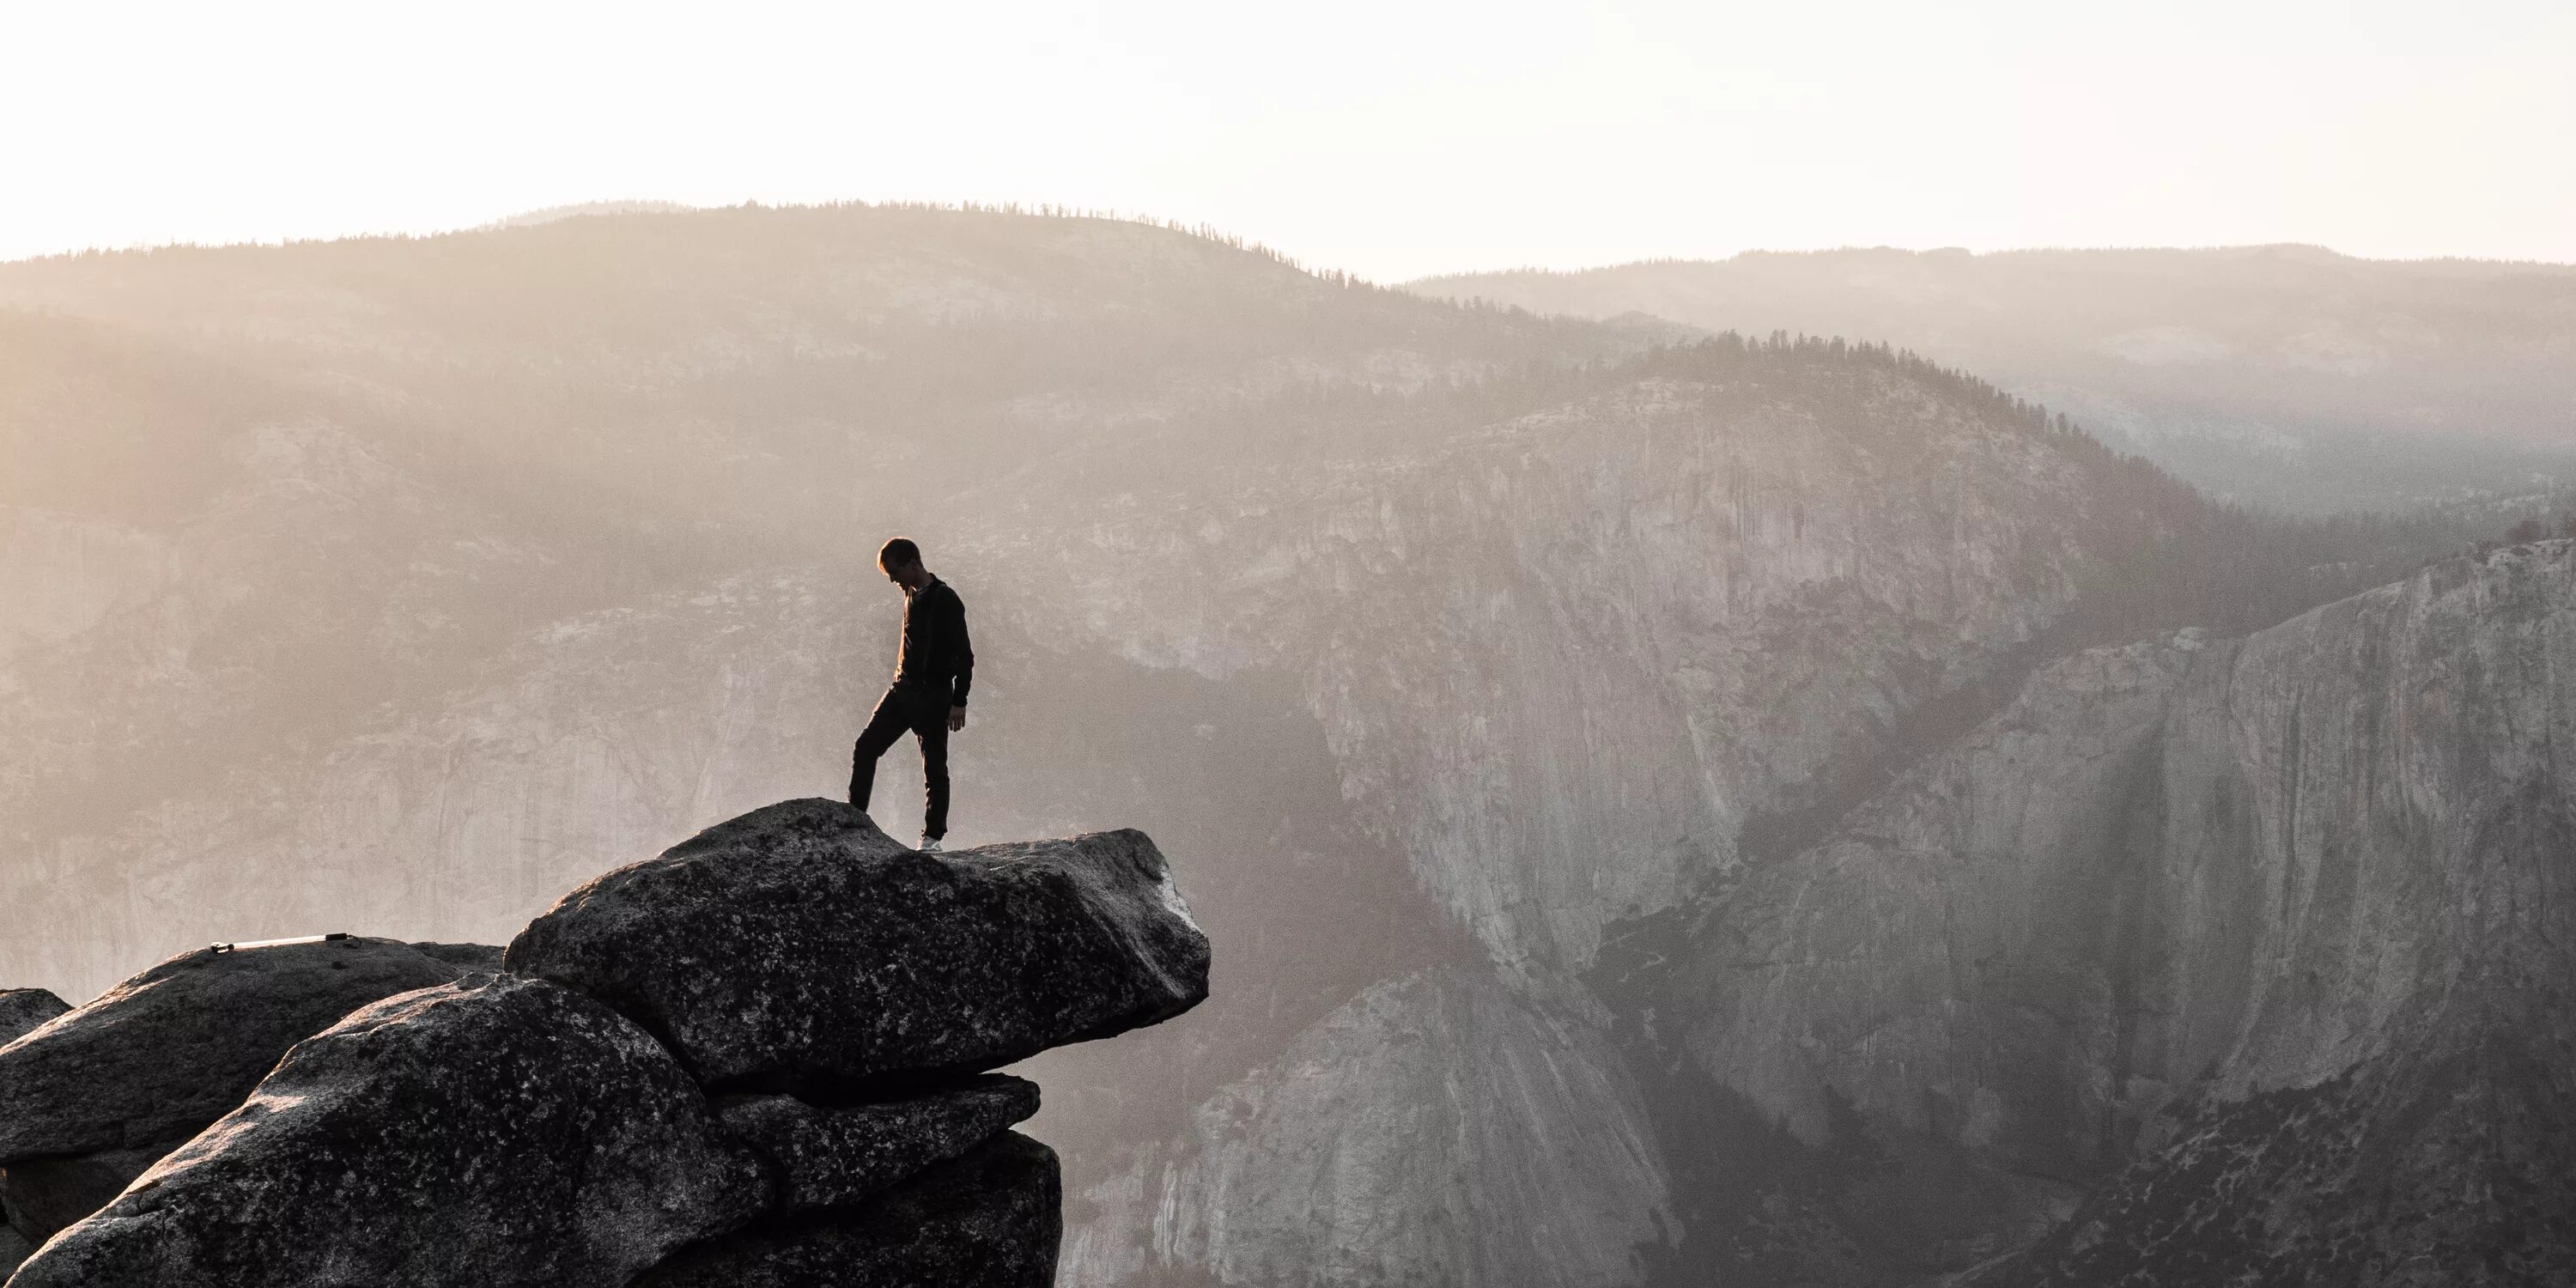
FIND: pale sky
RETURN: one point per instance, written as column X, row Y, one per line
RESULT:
column 1388, row 138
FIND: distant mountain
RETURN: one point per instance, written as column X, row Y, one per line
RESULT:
column 1476, row 670
column 2286, row 376
column 549, row 214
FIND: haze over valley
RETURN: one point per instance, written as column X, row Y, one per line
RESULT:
column 2286, row 377
column 1844, row 769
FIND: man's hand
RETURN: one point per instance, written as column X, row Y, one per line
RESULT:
column 956, row 719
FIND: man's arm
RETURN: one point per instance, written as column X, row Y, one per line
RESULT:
column 963, row 662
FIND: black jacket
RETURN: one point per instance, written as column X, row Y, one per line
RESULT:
column 937, row 659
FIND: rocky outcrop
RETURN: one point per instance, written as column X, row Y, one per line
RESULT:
column 991, row 1219
column 22, row 1009
column 493, row 1131
column 800, row 947
column 823, row 1156
column 502, row 1129
column 165, row 1053
column 96, row 1096
column 41, row 1195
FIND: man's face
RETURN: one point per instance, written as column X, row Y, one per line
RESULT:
column 901, row 574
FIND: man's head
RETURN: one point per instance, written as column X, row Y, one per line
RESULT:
column 900, row 561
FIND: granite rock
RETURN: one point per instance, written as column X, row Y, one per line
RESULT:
column 161, row 1055
column 14, row 1248
column 798, row 947
column 990, row 1219
column 492, row 1131
column 42, row 1195
column 23, row 1009
column 472, row 957
column 831, row 1156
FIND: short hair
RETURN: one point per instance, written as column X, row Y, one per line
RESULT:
column 898, row 551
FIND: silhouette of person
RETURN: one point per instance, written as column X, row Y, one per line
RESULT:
column 928, row 696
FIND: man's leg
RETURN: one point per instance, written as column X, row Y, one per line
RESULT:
column 886, row 725
column 932, row 730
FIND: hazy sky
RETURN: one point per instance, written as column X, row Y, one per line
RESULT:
column 1389, row 138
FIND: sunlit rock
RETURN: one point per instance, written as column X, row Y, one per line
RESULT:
column 92, row 1098
column 494, row 1131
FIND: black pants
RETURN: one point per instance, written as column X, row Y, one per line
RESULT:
column 925, row 717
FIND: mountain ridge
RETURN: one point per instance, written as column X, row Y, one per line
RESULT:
column 2283, row 376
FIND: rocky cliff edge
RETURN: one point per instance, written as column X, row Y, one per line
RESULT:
column 758, row 1059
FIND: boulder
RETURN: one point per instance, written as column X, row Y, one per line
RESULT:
column 799, row 948
column 990, row 1219
column 23, row 1009
column 824, row 1156
column 492, row 1131
column 39, row 1196
column 158, row 1057
column 485, row 957
column 14, row 1248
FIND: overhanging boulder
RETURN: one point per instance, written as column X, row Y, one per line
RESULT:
column 799, row 947
column 826, row 1156
column 991, row 1219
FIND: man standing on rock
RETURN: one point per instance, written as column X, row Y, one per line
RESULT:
column 928, row 697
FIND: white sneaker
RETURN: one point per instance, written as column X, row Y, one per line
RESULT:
column 930, row 844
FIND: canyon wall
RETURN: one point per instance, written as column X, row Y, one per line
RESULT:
column 2183, row 897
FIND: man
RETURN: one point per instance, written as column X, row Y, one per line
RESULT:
column 928, row 697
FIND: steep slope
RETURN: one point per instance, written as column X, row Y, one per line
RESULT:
column 1438, row 1128
column 1565, row 658
column 2283, row 375
column 2279, row 926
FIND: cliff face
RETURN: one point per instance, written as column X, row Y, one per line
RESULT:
column 1438, row 1128
column 1958, row 958
column 1563, row 659
column 2184, row 899
column 2369, row 823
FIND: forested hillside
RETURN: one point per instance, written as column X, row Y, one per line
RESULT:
column 2284, row 376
